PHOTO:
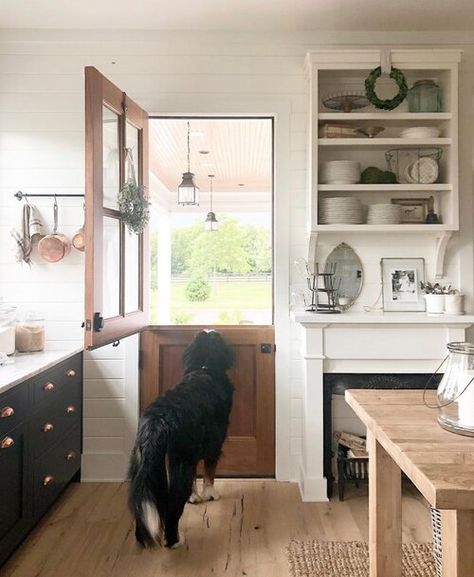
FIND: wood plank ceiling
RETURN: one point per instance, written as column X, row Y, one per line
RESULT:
column 237, row 151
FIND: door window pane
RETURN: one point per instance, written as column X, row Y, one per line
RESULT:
column 132, row 272
column 111, row 160
column 111, row 268
column 131, row 139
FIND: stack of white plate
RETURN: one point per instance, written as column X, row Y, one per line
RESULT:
column 420, row 132
column 340, row 172
column 340, row 210
column 384, row 214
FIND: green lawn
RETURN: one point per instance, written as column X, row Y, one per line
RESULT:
column 230, row 297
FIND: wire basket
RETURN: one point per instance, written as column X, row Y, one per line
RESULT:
column 437, row 543
column 414, row 165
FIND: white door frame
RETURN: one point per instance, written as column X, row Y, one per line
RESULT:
column 278, row 109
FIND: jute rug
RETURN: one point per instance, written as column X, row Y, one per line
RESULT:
column 351, row 559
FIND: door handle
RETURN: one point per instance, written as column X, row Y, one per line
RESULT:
column 266, row 348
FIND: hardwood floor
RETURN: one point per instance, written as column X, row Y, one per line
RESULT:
column 89, row 533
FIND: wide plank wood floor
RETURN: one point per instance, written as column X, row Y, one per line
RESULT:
column 89, row 533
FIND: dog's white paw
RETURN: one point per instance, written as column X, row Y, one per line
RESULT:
column 210, row 494
column 180, row 543
column 194, row 499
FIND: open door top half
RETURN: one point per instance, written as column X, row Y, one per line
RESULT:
column 116, row 274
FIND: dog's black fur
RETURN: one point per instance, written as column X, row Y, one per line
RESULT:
column 186, row 424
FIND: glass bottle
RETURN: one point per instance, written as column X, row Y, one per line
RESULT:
column 424, row 96
column 29, row 336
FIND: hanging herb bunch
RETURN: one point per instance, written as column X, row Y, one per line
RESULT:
column 133, row 200
column 389, row 103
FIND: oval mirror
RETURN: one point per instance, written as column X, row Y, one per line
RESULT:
column 346, row 267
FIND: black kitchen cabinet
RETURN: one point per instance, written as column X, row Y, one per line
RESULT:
column 40, row 447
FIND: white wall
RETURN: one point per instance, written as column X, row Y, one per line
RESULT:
column 41, row 150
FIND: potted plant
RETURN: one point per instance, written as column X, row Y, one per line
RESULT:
column 453, row 301
column 434, row 297
column 442, row 299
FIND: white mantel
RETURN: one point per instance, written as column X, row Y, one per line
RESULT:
column 362, row 343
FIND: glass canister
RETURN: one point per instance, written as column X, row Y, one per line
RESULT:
column 7, row 329
column 456, row 390
column 29, row 334
column 424, row 96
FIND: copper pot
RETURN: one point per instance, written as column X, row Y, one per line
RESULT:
column 54, row 247
column 79, row 239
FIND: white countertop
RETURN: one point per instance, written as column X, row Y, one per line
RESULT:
column 27, row 365
column 380, row 318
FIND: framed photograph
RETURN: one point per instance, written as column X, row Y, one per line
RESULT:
column 401, row 279
column 414, row 210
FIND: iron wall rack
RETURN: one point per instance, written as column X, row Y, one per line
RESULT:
column 21, row 195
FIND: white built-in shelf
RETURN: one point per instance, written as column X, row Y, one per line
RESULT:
column 410, row 117
column 384, row 227
column 385, row 187
column 385, row 142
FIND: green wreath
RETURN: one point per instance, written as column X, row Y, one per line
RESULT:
column 388, row 104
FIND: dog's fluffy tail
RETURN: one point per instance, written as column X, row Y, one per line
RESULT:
column 149, row 482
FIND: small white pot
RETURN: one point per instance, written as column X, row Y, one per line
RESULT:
column 454, row 304
column 434, row 304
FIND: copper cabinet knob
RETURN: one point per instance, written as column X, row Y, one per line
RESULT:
column 48, row 387
column 70, row 373
column 6, row 443
column 7, row 412
column 47, row 427
column 48, row 480
column 70, row 409
column 71, row 456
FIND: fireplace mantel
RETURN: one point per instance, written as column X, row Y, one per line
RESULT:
column 357, row 342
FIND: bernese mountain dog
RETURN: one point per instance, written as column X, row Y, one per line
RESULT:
column 185, row 425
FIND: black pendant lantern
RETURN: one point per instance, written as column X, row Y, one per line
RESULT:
column 211, row 223
column 188, row 192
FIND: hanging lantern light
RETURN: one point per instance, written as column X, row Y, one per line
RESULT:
column 188, row 192
column 456, row 390
column 211, row 223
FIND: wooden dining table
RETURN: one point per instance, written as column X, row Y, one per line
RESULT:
column 403, row 435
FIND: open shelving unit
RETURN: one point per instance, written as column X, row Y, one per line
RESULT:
column 337, row 70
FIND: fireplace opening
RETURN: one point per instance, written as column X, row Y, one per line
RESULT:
column 334, row 387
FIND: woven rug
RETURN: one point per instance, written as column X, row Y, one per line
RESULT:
column 351, row 559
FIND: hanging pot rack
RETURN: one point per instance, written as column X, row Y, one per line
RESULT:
column 21, row 195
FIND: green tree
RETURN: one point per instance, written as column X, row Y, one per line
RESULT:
column 221, row 251
column 198, row 289
column 182, row 240
column 259, row 248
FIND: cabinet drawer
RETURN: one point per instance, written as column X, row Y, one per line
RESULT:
column 53, row 422
column 48, row 385
column 14, row 408
column 54, row 470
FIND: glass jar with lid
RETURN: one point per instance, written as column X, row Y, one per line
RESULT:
column 7, row 329
column 424, row 96
column 29, row 335
column 456, row 390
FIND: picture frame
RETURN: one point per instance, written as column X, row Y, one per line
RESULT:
column 414, row 210
column 401, row 289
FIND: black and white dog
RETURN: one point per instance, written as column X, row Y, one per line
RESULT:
column 186, row 424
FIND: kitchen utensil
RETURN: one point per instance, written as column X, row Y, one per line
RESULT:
column 414, row 165
column 420, row 132
column 54, row 247
column 29, row 334
column 79, row 238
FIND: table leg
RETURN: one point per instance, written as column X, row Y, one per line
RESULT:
column 457, row 534
column 385, row 512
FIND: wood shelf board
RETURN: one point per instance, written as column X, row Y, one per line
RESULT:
column 385, row 188
column 375, row 142
column 384, row 227
column 391, row 117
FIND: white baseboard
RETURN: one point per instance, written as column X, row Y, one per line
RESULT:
column 312, row 489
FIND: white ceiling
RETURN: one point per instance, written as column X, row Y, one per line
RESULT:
column 240, row 15
column 239, row 153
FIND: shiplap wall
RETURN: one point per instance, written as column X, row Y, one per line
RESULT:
column 41, row 150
